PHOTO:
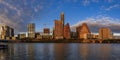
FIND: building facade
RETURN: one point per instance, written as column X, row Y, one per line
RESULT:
column 105, row 33
column 62, row 18
column 21, row 36
column 46, row 31
column 31, row 30
column 78, row 31
column 67, row 32
column 58, row 32
column 6, row 32
column 59, row 28
column 84, row 31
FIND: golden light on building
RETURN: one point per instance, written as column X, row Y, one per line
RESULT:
column 105, row 33
column 59, row 28
column 84, row 31
column 67, row 34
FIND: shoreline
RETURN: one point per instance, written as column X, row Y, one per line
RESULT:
column 61, row 41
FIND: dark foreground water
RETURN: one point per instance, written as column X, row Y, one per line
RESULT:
column 60, row 51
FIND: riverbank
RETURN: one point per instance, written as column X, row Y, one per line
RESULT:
column 62, row 41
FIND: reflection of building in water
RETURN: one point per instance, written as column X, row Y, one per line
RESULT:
column 72, row 51
column 84, row 51
column 31, row 52
column 41, row 52
column 48, row 50
column 51, row 52
column 4, row 55
column 11, row 51
column 95, row 52
column 17, row 52
column 59, row 52
column 105, row 52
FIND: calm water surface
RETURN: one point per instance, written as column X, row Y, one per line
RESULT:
column 60, row 51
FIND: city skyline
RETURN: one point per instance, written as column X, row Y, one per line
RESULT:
column 95, row 13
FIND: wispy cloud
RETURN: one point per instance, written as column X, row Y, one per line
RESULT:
column 112, row 7
column 10, row 6
column 109, row 1
column 100, row 21
column 19, row 13
column 86, row 2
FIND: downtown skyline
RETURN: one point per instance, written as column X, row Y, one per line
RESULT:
column 96, row 13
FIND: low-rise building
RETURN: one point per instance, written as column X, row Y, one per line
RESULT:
column 21, row 36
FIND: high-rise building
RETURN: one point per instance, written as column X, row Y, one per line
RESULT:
column 78, row 31
column 11, row 32
column 62, row 18
column 6, row 31
column 84, row 32
column 58, row 32
column 105, row 33
column 31, row 30
column 67, row 32
column 59, row 28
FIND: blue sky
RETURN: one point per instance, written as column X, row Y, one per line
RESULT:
column 18, row 13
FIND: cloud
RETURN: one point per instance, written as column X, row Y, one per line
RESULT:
column 95, row 23
column 109, row 1
column 10, row 6
column 86, row 2
column 112, row 7
column 18, row 13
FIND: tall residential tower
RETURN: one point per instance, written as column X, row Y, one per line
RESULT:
column 31, row 30
column 59, row 28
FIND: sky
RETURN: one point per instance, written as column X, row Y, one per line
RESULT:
column 96, row 13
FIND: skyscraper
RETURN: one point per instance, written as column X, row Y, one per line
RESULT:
column 62, row 18
column 31, row 30
column 59, row 28
column 105, row 33
column 58, row 32
column 67, row 33
column 84, row 32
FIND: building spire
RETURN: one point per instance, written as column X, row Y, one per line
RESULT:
column 62, row 18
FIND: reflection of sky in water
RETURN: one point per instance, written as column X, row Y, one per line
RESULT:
column 60, row 51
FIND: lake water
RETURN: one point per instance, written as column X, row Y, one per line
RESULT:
column 60, row 51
